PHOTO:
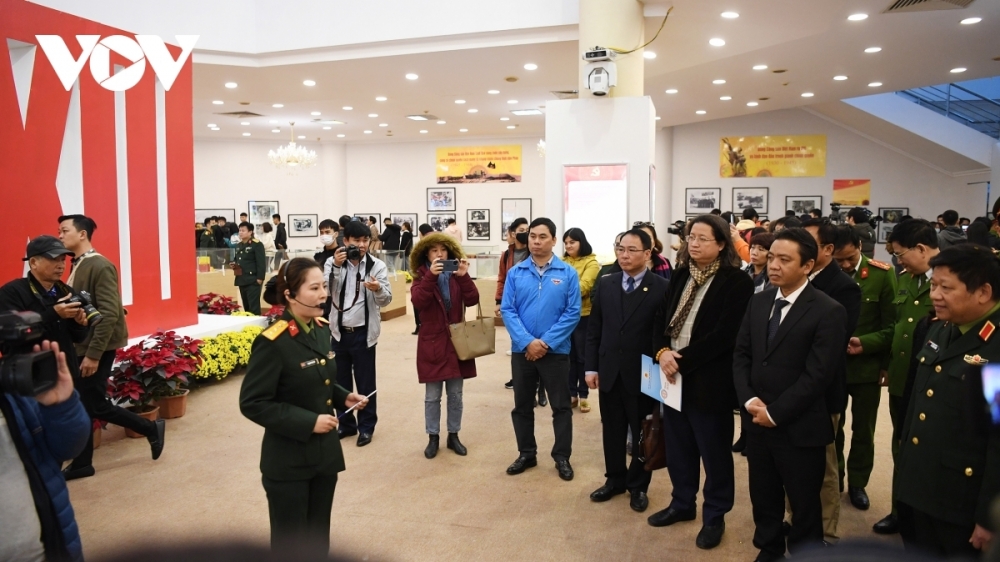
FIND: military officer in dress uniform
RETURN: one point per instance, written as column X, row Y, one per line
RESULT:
column 914, row 243
column 867, row 354
column 250, row 266
column 290, row 389
column 948, row 470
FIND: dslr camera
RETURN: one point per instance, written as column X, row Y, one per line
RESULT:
column 22, row 371
column 677, row 228
column 87, row 304
column 353, row 252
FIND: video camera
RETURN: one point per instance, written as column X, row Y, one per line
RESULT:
column 22, row 371
column 677, row 228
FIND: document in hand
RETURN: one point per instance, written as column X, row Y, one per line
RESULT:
column 656, row 385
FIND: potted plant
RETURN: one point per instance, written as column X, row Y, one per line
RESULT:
column 153, row 374
column 212, row 303
column 274, row 313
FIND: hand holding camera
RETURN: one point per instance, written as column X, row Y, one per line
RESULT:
column 63, row 388
column 36, row 373
column 68, row 309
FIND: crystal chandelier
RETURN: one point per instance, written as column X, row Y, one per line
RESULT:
column 292, row 156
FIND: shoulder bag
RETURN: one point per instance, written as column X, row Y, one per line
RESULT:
column 474, row 338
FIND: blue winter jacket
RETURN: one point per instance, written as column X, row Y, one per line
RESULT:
column 54, row 434
column 541, row 307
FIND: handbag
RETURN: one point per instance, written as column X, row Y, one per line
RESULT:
column 651, row 442
column 474, row 338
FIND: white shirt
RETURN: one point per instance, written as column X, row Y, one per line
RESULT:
column 354, row 317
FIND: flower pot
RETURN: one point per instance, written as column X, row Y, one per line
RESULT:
column 151, row 415
column 97, row 437
column 173, row 406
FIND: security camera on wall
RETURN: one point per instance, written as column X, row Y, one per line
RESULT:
column 602, row 74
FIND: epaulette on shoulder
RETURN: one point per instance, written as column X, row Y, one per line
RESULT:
column 881, row 265
column 322, row 320
column 275, row 330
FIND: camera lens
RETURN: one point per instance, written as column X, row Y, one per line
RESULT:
column 28, row 374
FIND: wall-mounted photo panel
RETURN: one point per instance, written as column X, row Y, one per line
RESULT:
column 803, row 204
column 440, row 199
column 303, row 226
column 400, row 218
column 755, row 197
column 700, row 200
column 439, row 221
column 891, row 216
column 477, row 224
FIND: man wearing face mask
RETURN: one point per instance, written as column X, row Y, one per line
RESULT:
column 329, row 232
column 515, row 253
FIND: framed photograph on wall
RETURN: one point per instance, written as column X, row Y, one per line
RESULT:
column 755, row 197
column 440, row 199
column 891, row 216
column 365, row 216
column 439, row 221
column 262, row 211
column 511, row 209
column 701, row 199
column 477, row 224
column 400, row 218
column 303, row 226
column 201, row 214
column 803, row 204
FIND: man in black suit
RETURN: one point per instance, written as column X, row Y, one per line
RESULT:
column 831, row 279
column 620, row 332
column 785, row 360
column 280, row 239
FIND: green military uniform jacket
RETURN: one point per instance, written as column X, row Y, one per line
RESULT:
column 290, row 381
column 207, row 240
column 876, row 321
column 948, row 466
column 912, row 304
column 250, row 256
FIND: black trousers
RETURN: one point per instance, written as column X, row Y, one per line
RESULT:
column 922, row 532
column 93, row 392
column 692, row 438
column 577, row 374
column 250, row 295
column 774, row 472
column 552, row 370
column 620, row 412
column 300, row 513
column 356, row 363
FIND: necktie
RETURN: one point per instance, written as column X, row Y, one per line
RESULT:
column 630, row 285
column 772, row 325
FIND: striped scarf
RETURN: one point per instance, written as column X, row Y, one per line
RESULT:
column 698, row 277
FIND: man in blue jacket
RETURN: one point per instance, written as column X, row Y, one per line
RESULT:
column 36, row 436
column 540, row 308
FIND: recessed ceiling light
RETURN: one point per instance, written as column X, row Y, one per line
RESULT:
column 347, row 108
column 302, row 136
column 752, row 104
column 729, row 15
column 760, row 67
column 308, row 82
column 416, row 117
column 857, row 17
column 327, row 128
column 807, row 94
column 970, row 21
column 716, row 42
column 423, row 131
column 217, row 102
column 278, row 105
column 505, row 118
column 512, row 102
column 246, row 134
column 381, row 98
column 230, row 85
column 701, row 112
column 657, row 117
column 373, row 115
column 493, row 92
column 648, row 55
column 330, row 122
column 383, row 124
column 473, row 111
column 520, row 112
column 511, row 126
column 958, row 70
column 212, row 125
column 315, row 113
column 672, row 91
column 726, row 98
column 411, row 76
column 873, row 49
column 441, row 122
column 463, row 130
column 530, row 66
column 368, row 132
column 719, row 81
column 341, row 135
column 274, row 122
column 275, row 130
column 244, row 122
column 840, row 78
column 459, row 102
column 215, row 128
column 874, row 84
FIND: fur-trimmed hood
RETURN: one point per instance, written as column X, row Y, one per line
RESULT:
column 418, row 257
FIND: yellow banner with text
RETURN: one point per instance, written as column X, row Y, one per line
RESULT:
column 778, row 156
column 479, row 164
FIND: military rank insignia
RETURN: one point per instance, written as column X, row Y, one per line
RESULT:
column 987, row 331
column 293, row 329
column 975, row 360
column 864, row 273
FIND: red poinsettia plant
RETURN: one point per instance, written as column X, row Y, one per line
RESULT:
column 154, row 368
column 274, row 313
column 212, row 303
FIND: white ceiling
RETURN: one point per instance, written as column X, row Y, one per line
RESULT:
column 812, row 40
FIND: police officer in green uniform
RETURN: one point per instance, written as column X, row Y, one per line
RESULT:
column 250, row 266
column 914, row 242
column 290, row 389
column 948, row 468
column 867, row 353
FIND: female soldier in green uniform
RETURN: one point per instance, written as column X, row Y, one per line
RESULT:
column 289, row 389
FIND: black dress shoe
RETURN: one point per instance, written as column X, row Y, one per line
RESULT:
column 156, row 439
column 364, row 439
column 521, row 464
column 669, row 516
column 432, row 446
column 889, row 525
column 541, row 400
column 565, row 470
column 765, row 557
column 740, row 444
column 70, row 473
column 639, row 501
column 347, row 433
column 710, row 536
column 509, row 385
column 455, row 445
column 859, row 498
column 416, row 330
column 605, row 493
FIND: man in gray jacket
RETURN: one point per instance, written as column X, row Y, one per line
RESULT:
column 858, row 219
column 950, row 233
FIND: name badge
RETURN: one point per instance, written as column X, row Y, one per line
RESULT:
column 309, row 363
column 932, row 345
column 330, row 355
column 556, row 281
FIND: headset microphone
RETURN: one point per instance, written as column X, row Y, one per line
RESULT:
column 307, row 305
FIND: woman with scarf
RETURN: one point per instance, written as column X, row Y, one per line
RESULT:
column 441, row 297
column 705, row 306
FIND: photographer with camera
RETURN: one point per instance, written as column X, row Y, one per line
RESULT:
column 93, row 274
column 42, row 424
column 359, row 284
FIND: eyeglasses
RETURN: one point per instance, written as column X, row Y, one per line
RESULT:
column 640, row 224
column 900, row 254
column 623, row 249
column 699, row 239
